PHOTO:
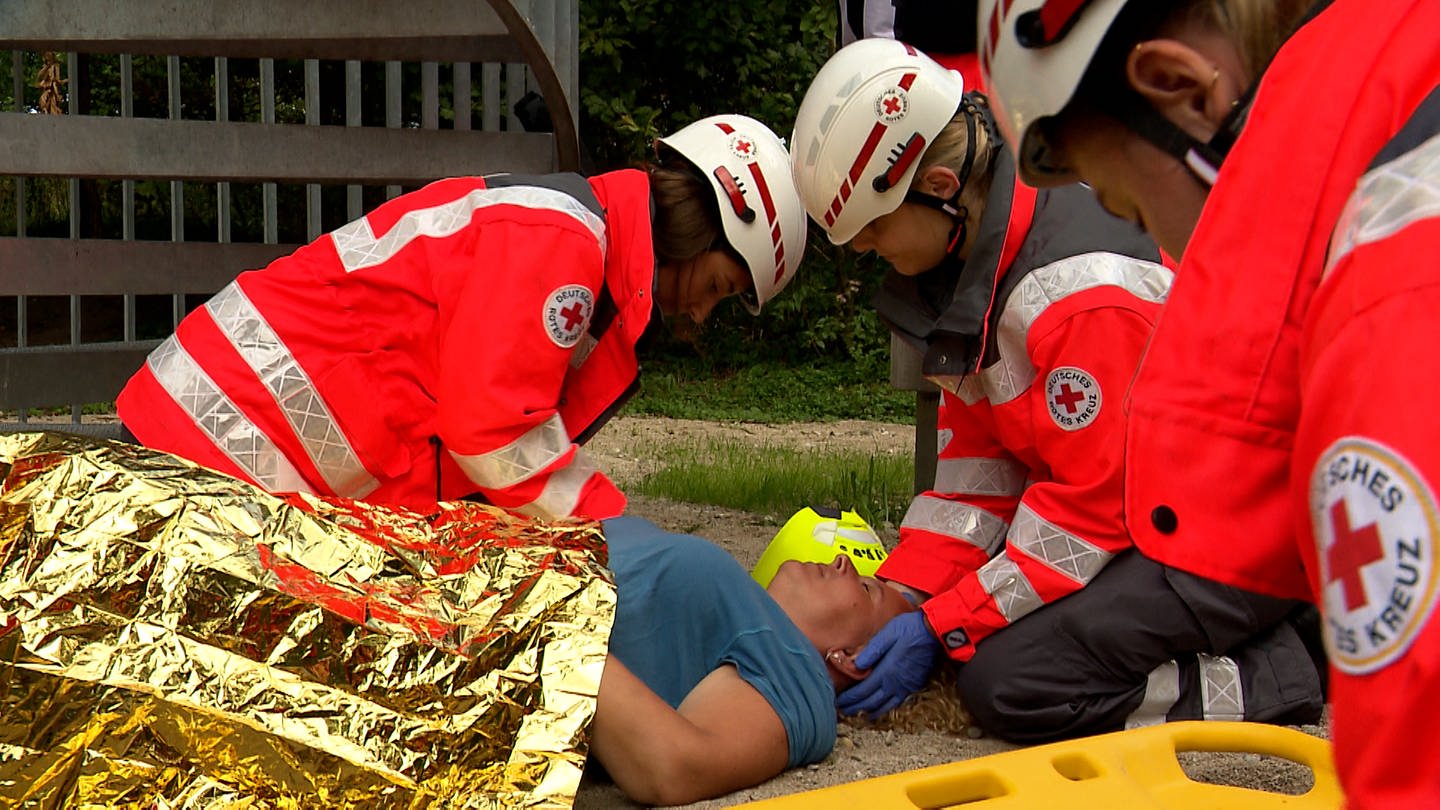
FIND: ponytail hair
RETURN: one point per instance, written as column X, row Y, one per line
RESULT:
column 686, row 220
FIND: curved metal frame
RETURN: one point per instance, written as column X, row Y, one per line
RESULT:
column 567, row 139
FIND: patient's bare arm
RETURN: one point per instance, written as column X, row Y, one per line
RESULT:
column 725, row 736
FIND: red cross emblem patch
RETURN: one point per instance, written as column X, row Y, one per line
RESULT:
column 567, row 314
column 1375, row 527
column 892, row 105
column 742, row 146
column 1073, row 397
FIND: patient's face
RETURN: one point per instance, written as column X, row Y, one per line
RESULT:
column 832, row 604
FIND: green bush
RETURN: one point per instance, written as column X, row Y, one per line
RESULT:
column 648, row 67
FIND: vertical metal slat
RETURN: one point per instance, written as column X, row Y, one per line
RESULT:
column 127, row 187
column 17, row 71
column 490, row 97
column 73, row 89
column 461, row 97
column 313, row 227
column 222, row 113
column 177, row 187
column 269, row 202
column 354, row 199
column 429, row 95
column 22, row 320
column 392, row 110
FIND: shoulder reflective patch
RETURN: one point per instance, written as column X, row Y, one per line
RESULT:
column 359, row 247
column 943, row 437
column 1013, row 374
column 1375, row 529
column 1073, row 397
column 1388, row 199
column 567, row 314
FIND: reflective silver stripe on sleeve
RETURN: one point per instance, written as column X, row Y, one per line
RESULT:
column 295, row 395
column 1013, row 374
column 1221, row 695
column 359, row 247
column 535, row 449
column 1162, row 689
column 980, row 476
column 1071, row 555
column 962, row 521
column 1388, row 198
column 1007, row 585
column 562, row 492
column 218, row 418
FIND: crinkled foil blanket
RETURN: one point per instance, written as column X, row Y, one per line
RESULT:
column 171, row 637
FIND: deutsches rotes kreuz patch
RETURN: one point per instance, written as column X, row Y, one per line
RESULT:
column 1073, row 396
column 567, row 314
column 1375, row 532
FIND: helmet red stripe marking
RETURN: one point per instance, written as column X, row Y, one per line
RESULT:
column 907, row 80
column 765, row 199
column 867, row 151
column 724, row 127
column 1055, row 15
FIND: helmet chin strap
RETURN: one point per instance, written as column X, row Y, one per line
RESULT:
column 1202, row 159
column 951, row 205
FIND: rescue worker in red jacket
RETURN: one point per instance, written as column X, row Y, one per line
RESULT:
column 1031, row 311
column 468, row 336
column 1282, row 437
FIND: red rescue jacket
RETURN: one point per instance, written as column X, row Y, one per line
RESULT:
column 1055, row 309
column 1286, row 393
column 457, row 339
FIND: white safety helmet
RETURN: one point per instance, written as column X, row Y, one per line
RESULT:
column 869, row 114
column 749, row 170
column 1033, row 54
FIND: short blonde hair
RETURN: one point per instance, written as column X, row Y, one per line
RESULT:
column 949, row 147
column 1257, row 28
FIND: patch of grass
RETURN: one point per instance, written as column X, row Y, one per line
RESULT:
column 777, row 481
column 771, row 393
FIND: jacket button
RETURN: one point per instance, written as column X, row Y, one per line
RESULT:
column 1164, row 520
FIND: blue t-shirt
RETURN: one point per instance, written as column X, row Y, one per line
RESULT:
column 686, row 607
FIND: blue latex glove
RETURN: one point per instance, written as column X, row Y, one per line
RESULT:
column 899, row 658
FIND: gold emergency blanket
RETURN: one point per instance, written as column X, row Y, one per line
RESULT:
column 171, row 637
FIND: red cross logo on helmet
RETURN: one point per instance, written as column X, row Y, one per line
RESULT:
column 892, row 105
column 742, row 146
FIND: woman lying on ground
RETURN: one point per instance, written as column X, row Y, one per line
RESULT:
column 714, row 683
